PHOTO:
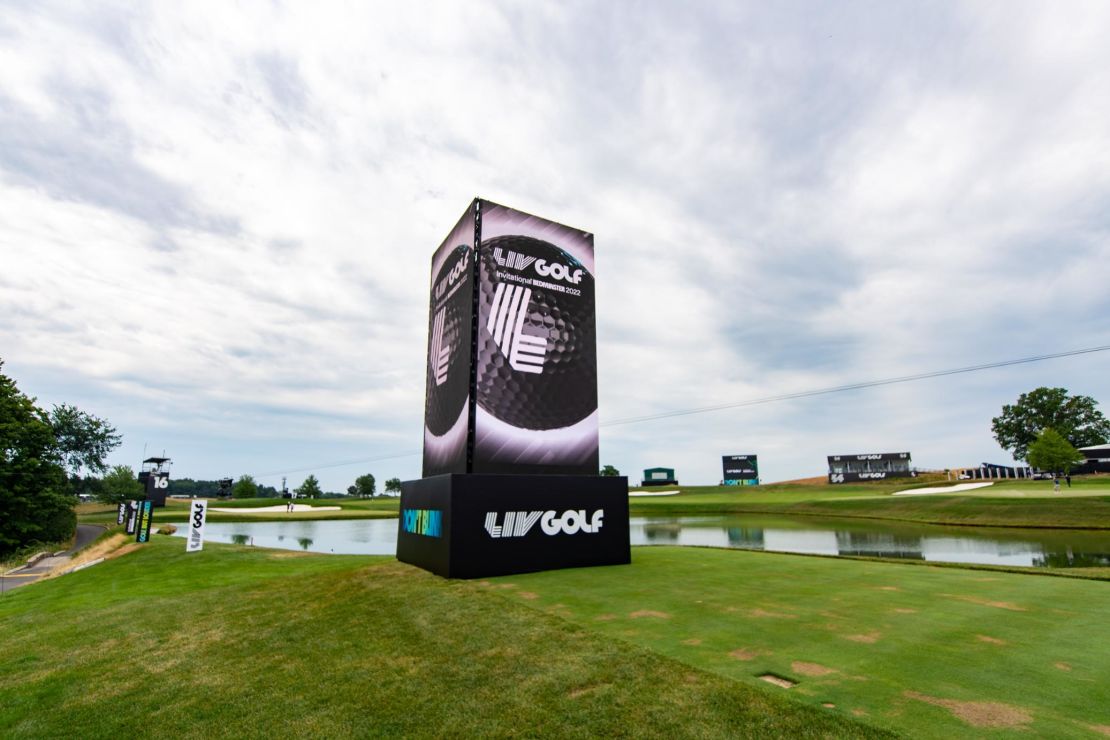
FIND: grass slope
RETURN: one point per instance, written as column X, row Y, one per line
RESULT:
column 930, row 652
column 1005, row 504
column 244, row 642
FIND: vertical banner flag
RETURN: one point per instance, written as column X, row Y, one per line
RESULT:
column 143, row 530
column 132, row 516
column 195, row 541
column 121, row 515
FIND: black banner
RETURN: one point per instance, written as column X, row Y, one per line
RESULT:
column 512, row 350
column 132, row 516
column 473, row 526
column 145, row 511
column 848, row 477
column 740, row 467
column 121, row 513
column 872, row 457
column 155, row 486
column 450, row 321
column 536, row 364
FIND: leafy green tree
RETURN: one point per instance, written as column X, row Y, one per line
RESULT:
column 83, row 440
column 119, row 484
column 1076, row 418
column 245, row 487
column 310, row 488
column 1051, row 452
column 610, row 472
column 34, row 505
column 393, row 485
column 364, row 486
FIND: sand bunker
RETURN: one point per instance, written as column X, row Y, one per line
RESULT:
column 279, row 508
column 943, row 489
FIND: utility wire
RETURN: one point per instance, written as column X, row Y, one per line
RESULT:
column 758, row 401
column 852, row 386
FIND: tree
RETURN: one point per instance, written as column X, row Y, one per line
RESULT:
column 393, row 485
column 310, row 488
column 1051, row 452
column 245, row 487
column 1075, row 418
column 34, row 505
column 119, row 485
column 364, row 485
column 610, row 472
column 83, row 440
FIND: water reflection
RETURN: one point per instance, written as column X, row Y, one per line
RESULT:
column 821, row 536
column 1040, row 548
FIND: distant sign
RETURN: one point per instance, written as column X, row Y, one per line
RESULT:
column 132, row 516
column 121, row 514
column 142, row 533
column 197, row 516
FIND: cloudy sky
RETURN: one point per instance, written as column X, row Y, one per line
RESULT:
column 216, row 219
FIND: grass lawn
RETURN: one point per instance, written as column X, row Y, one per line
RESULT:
column 1005, row 504
column 245, row 642
column 925, row 651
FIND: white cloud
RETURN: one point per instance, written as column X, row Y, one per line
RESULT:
column 215, row 221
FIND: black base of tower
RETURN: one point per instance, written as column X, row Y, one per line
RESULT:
column 475, row 526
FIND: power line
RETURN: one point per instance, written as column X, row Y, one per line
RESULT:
column 853, row 386
column 756, row 401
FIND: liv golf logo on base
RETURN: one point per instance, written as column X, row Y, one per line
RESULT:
column 195, row 541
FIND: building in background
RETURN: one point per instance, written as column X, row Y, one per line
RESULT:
column 872, row 466
column 659, row 477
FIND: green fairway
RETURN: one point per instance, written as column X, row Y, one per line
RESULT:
column 245, row 642
column 930, row 652
column 1005, row 504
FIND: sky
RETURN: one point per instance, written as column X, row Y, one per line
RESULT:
column 217, row 219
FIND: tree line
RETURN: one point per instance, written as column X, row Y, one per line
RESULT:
column 47, row 460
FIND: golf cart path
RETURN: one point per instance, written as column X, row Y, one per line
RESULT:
column 86, row 535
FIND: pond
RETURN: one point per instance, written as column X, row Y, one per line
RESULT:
column 1016, row 547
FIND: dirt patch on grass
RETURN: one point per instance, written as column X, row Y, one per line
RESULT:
column 829, row 705
column 860, row 712
column 765, row 614
column 120, row 552
column 528, row 595
column 784, row 683
column 605, row 617
column 991, row 640
column 986, row 602
column 586, row 690
column 287, row 555
column 1062, row 666
column 888, row 588
column 693, row 641
column 1101, row 729
column 904, row 611
column 811, row 669
column 979, row 713
column 648, row 613
column 869, row 638
column 747, row 653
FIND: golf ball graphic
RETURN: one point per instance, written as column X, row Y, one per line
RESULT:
column 559, row 386
column 448, row 332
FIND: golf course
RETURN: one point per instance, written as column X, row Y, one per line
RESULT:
column 684, row 642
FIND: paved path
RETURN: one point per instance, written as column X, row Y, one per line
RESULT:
column 86, row 534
